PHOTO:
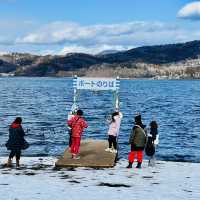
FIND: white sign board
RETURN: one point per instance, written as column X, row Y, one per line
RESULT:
column 96, row 84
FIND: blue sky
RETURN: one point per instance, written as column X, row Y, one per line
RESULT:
column 91, row 26
column 91, row 11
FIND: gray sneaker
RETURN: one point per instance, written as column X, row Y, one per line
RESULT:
column 114, row 151
column 76, row 157
column 108, row 150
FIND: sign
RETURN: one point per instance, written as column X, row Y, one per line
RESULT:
column 96, row 84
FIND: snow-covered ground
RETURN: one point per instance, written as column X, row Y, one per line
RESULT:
column 37, row 179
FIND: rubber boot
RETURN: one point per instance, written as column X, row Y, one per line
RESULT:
column 9, row 163
column 139, row 165
column 17, row 163
column 129, row 165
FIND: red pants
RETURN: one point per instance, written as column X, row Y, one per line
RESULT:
column 75, row 147
column 132, row 154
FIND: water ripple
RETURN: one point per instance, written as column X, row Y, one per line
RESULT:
column 44, row 103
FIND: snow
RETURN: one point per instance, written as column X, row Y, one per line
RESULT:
column 37, row 179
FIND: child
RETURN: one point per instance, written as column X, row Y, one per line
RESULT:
column 152, row 142
column 137, row 140
column 113, row 132
column 77, row 124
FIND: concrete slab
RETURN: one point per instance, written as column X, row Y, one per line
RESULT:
column 92, row 154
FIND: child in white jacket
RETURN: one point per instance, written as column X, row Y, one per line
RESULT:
column 113, row 132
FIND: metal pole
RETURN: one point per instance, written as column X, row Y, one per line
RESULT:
column 75, row 93
column 117, row 109
column 117, row 101
column 117, row 95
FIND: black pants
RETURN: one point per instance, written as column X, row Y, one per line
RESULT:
column 16, row 153
column 112, row 140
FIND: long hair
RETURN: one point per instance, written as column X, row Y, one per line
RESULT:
column 113, row 116
column 154, row 124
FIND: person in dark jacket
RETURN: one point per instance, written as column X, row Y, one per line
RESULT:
column 153, row 140
column 16, row 141
column 137, row 140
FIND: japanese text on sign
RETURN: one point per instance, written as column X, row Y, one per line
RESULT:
column 96, row 84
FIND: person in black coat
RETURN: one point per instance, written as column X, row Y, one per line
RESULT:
column 153, row 139
column 16, row 141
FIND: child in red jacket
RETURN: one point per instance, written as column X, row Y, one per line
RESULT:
column 78, row 124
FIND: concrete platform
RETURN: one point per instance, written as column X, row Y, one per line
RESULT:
column 92, row 154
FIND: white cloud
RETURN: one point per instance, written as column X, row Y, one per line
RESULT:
column 64, row 32
column 57, row 33
column 11, row 29
column 3, row 52
column 73, row 37
column 190, row 11
column 65, row 37
column 92, row 49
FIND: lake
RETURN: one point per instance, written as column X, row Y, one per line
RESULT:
column 44, row 103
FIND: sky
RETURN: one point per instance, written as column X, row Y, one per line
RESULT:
column 93, row 26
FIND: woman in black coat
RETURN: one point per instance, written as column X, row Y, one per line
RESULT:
column 16, row 141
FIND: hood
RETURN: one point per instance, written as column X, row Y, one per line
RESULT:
column 14, row 125
column 142, row 126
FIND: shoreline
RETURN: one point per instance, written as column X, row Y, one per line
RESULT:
column 137, row 79
column 26, row 157
column 166, row 179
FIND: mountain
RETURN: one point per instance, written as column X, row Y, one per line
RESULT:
column 6, row 67
column 149, row 61
column 106, row 52
column 51, row 65
column 161, row 54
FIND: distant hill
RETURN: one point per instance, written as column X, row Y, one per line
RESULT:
column 106, row 52
column 125, row 63
column 6, row 67
column 157, row 54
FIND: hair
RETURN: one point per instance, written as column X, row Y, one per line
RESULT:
column 18, row 120
column 79, row 112
column 113, row 115
column 138, row 120
column 154, row 124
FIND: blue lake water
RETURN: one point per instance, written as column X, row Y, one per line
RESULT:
column 43, row 103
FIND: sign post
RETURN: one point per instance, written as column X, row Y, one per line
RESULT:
column 97, row 84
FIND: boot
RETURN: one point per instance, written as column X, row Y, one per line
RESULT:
column 9, row 163
column 139, row 165
column 17, row 163
column 129, row 165
column 151, row 162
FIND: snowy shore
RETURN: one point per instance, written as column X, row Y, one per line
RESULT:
column 37, row 179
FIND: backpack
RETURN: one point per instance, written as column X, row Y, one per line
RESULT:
column 150, row 148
